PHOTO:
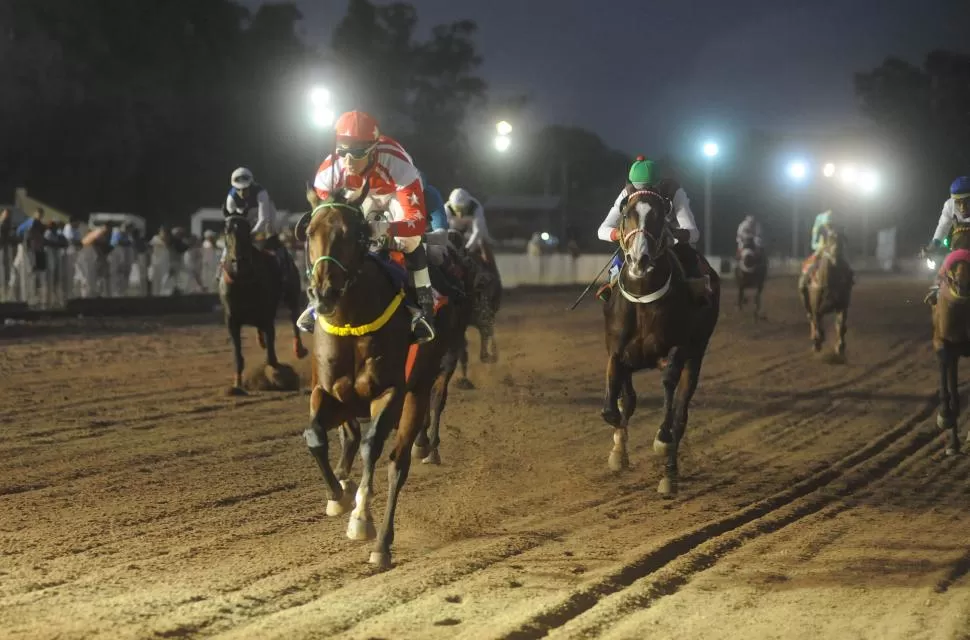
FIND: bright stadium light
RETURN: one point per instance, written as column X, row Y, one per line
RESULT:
column 797, row 171
column 849, row 174
column 711, row 149
column 321, row 112
column 502, row 143
column 869, row 182
column 503, row 128
column 828, row 170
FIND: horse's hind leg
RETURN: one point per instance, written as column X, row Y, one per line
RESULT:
column 439, row 398
column 270, row 333
column 841, row 325
column 946, row 419
column 463, row 381
column 953, row 382
column 665, row 442
column 818, row 332
column 235, row 332
column 686, row 387
column 412, row 419
column 757, row 300
column 325, row 412
column 740, row 296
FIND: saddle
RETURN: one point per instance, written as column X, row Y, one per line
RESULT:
column 398, row 275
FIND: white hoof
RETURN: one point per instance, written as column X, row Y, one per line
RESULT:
column 380, row 559
column 432, row 458
column 941, row 422
column 361, row 528
column 340, row 507
column 660, row 447
column 419, row 452
column 952, row 451
column 619, row 461
column 667, row 487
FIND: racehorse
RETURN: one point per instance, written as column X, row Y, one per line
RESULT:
column 250, row 290
column 655, row 322
column 751, row 273
column 951, row 331
column 485, row 293
column 367, row 377
column 828, row 289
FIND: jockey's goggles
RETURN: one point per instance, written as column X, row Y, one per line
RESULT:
column 357, row 153
column 960, row 196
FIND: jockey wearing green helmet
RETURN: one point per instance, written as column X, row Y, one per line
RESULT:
column 645, row 175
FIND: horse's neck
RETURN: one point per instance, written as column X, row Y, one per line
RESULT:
column 663, row 271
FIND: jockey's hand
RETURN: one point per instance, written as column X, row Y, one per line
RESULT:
column 681, row 235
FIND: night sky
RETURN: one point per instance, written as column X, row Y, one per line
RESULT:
column 656, row 77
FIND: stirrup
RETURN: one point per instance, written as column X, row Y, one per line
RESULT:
column 932, row 296
column 418, row 323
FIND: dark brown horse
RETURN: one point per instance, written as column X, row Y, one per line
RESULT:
column 365, row 372
column 653, row 320
column 826, row 287
column 751, row 273
column 951, row 332
column 484, row 286
column 251, row 290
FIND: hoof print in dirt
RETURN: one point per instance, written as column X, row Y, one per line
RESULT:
column 281, row 377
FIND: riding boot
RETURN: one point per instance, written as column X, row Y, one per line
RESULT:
column 422, row 324
column 698, row 282
column 606, row 290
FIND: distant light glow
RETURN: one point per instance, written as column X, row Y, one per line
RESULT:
column 322, row 117
column 319, row 96
column 828, row 170
column 849, row 174
column 930, row 264
column 869, row 182
column 711, row 149
column 797, row 171
column 503, row 128
column 502, row 143
column 544, row 236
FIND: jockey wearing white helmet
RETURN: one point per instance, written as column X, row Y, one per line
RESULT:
column 250, row 199
column 467, row 215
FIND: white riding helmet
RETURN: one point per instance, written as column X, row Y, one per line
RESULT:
column 459, row 200
column 242, row 178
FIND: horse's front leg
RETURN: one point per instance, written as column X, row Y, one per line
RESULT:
column 619, row 457
column 412, row 420
column 665, row 442
column 740, row 295
column 235, row 332
column 270, row 333
column 818, row 332
column 385, row 412
column 953, row 382
column 463, row 381
column 439, row 399
column 757, row 300
column 841, row 326
column 299, row 350
column 326, row 412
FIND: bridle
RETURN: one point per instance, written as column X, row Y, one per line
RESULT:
column 363, row 242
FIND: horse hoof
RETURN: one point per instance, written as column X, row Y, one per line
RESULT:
column 952, row 451
column 380, row 559
column 612, row 417
column 236, row 391
column 420, row 451
column 618, row 461
column 660, row 447
column 941, row 422
column 433, row 458
column 301, row 352
column 361, row 528
column 667, row 487
column 464, row 384
column 339, row 507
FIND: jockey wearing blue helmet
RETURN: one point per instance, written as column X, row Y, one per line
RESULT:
column 955, row 214
column 434, row 205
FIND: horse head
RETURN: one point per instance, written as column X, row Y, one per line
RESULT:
column 751, row 255
column 644, row 236
column 239, row 243
column 833, row 249
column 338, row 239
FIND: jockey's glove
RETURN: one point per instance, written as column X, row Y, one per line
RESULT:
column 378, row 229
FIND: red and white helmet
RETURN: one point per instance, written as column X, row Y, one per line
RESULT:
column 357, row 129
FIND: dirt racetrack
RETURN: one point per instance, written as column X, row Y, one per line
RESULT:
column 137, row 500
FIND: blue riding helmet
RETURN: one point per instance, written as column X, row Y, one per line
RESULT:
column 960, row 187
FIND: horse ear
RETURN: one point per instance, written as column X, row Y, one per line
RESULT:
column 364, row 190
column 311, row 196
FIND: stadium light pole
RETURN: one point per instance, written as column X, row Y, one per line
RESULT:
column 710, row 149
column 797, row 172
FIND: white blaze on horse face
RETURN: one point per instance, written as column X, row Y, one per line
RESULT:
column 638, row 247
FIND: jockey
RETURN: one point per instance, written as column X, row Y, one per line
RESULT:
column 395, row 189
column 467, row 215
column 434, row 204
column 749, row 230
column 250, row 199
column 644, row 175
column 956, row 213
column 819, row 231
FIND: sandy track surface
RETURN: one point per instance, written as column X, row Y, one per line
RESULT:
column 137, row 500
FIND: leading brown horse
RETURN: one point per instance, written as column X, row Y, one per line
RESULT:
column 826, row 287
column 365, row 369
column 951, row 332
column 751, row 273
column 653, row 320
